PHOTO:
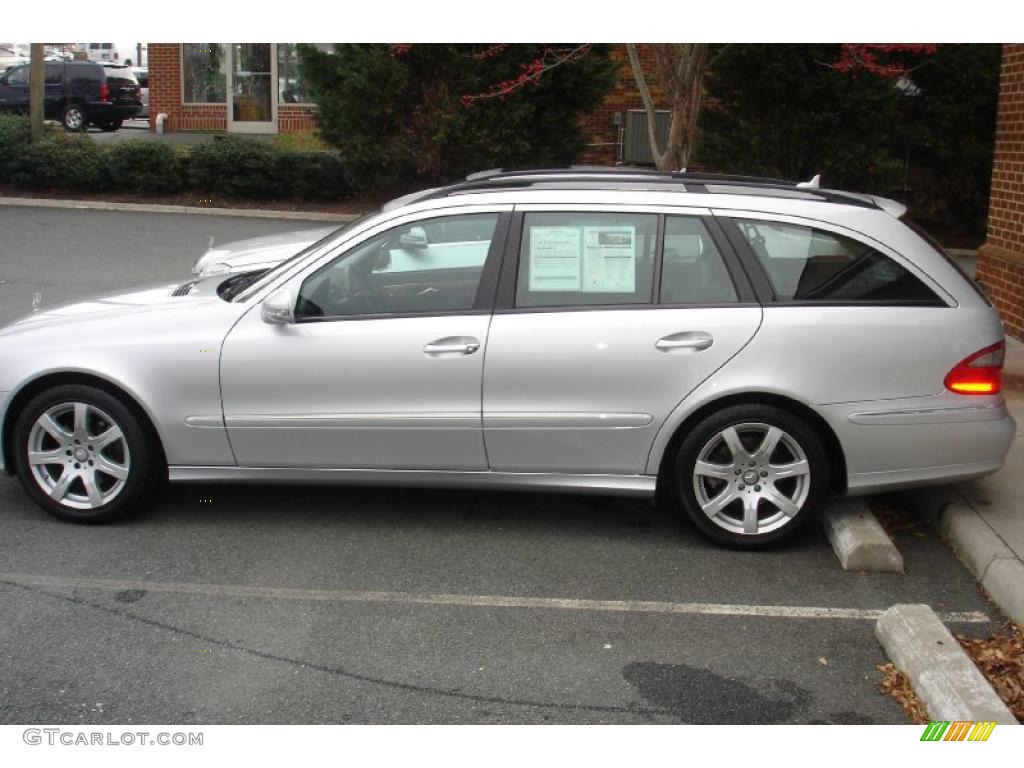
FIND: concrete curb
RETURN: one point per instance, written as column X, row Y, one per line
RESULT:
column 860, row 543
column 977, row 545
column 245, row 213
column 943, row 675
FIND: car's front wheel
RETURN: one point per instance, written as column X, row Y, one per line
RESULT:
column 751, row 475
column 82, row 455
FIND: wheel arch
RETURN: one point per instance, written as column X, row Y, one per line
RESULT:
column 30, row 389
column 833, row 448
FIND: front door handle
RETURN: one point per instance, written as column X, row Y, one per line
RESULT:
column 688, row 341
column 452, row 345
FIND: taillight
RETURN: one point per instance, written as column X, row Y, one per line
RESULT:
column 979, row 374
column 104, row 92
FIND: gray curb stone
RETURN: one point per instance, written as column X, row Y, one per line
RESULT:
column 977, row 545
column 245, row 213
column 942, row 674
column 860, row 543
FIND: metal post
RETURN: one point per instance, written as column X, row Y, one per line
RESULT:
column 37, row 90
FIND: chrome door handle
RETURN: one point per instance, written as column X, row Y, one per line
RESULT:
column 452, row 346
column 689, row 340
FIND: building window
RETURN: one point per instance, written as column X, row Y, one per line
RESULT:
column 291, row 88
column 204, row 73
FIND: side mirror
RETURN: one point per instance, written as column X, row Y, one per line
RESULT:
column 415, row 238
column 279, row 307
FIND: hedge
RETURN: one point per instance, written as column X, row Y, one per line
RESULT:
column 242, row 167
column 74, row 162
column 144, row 166
column 231, row 166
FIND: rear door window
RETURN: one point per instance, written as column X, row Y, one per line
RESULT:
column 806, row 264
column 585, row 259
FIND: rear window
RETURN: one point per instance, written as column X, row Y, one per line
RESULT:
column 811, row 265
column 117, row 76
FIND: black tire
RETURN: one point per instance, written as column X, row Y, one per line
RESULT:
column 782, row 505
column 73, row 118
column 111, row 125
column 133, row 456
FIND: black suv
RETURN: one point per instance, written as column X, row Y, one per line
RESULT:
column 78, row 93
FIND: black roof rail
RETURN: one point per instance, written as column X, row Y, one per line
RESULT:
column 501, row 178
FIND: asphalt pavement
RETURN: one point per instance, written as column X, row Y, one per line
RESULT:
column 372, row 605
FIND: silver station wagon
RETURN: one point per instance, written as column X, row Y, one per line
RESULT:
column 739, row 347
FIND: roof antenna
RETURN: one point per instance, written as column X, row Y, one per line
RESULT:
column 814, row 183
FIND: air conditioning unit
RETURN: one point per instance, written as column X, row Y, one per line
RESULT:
column 637, row 149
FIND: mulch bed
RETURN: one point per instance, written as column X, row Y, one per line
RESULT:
column 1001, row 660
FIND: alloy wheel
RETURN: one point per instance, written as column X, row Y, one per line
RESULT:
column 751, row 478
column 78, row 455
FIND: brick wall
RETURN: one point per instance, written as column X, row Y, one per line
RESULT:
column 165, row 96
column 165, row 84
column 597, row 126
column 1001, row 259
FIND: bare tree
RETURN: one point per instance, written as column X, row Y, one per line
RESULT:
column 679, row 72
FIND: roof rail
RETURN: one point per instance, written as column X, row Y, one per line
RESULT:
column 501, row 178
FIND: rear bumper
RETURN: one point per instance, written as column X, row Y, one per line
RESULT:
column 104, row 111
column 903, row 444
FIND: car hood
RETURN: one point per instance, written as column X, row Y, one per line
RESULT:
column 158, row 297
column 255, row 253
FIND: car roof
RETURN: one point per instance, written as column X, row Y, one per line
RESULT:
column 593, row 184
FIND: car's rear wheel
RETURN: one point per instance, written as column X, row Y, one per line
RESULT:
column 110, row 126
column 82, row 455
column 751, row 475
column 73, row 118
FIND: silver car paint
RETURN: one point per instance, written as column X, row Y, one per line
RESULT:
column 164, row 352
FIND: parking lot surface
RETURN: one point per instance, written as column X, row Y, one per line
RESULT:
column 230, row 604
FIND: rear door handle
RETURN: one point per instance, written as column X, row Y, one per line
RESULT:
column 452, row 345
column 687, row 341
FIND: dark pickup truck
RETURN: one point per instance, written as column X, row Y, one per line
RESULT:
column 78, row 93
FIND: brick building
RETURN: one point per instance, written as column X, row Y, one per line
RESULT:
column 1001, row 259
column 234, row 87
column 255, row 88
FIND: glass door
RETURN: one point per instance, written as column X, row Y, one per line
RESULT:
column 253, row 95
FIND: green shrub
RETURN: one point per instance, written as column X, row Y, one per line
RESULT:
column 312, row 175
column 144, row 166
column 72, row 162
column 14, row 138
column 236, row 167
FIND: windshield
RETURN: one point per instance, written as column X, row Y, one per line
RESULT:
column 260, row 279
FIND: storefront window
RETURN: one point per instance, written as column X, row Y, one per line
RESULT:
column 204, row 67
column 291, row 89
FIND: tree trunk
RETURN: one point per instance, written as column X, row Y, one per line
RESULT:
column 37, row 90
column 679, row 71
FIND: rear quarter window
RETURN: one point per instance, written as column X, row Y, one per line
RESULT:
column 805, row 264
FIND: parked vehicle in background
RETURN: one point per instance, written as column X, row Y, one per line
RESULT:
column 102, row 52
column 744, row 346
column 142, row 76
column 11, row 55
column 256, row 253
column 78, row 93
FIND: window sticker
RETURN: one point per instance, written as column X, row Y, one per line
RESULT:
column 609, row 259
column 555, row 258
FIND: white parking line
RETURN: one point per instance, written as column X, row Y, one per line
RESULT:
column 473, row 601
